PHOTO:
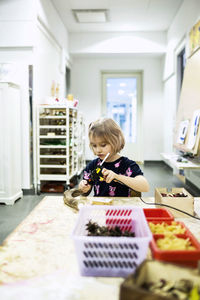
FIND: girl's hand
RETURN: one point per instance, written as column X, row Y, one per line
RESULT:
column 84, row 186
column 108, row 175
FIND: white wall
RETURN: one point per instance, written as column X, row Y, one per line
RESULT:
column 118, row 43
column 29, row 36
column 51, row 57
column 16, row 45
column 86, row 86
column 47, row 67
column 17, row 23
column 169, row 109
column 51, row 52
column 93, row 52
column 186, row 17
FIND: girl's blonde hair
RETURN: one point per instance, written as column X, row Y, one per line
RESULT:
column 109, row 131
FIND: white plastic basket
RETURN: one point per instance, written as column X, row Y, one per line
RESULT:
column 111, row 256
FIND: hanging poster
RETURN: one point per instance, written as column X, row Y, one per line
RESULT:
column 194, row 38
column 183, row 128
column 193, row 130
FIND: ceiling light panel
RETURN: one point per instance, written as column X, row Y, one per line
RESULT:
column 90, row 15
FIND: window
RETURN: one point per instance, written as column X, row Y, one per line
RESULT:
column 122, row 102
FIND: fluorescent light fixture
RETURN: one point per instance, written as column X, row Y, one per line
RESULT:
column 90, row 15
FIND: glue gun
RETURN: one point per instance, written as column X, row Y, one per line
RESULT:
column 97, row 172
column 97, row 175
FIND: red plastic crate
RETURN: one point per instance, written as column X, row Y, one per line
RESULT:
column 181, row 257
column 158, row 214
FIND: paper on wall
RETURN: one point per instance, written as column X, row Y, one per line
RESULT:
column 193, row 129
column 182, row 131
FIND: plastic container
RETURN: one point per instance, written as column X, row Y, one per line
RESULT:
column 181, row 257
column 111, row 256
column 158, row 214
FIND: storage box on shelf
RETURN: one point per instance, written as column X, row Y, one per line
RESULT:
column 108, row 255
column 135, row 285
column 163, row 196
column 56, row 144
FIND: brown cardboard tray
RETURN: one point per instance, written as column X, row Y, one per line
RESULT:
column 151, row 270
column 183, row 203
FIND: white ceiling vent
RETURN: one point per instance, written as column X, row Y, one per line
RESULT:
column 90, row 15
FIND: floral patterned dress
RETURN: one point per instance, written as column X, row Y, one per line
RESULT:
column 122, row 166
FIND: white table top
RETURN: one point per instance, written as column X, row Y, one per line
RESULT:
column 171, row 158
column 39, row 261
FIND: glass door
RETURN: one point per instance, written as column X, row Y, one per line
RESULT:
column 122, row 102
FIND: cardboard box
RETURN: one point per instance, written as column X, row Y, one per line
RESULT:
column 149, row 270
column 183, row 203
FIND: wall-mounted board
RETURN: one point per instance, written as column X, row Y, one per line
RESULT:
column 189, row 108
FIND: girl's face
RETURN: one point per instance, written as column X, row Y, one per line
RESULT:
column 101, row 148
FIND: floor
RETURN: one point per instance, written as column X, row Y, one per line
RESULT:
column 157, row 173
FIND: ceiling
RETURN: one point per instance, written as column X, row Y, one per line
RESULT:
column 124, row 15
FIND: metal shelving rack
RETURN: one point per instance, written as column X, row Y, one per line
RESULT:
column 57, row 142
column 81, row 143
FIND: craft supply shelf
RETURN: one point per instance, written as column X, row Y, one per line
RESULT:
column 60, row 144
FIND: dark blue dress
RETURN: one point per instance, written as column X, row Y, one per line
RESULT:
column 122, row 166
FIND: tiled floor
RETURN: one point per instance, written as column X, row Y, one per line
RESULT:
column 157, row 173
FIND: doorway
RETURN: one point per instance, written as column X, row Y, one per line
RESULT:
column 122, row 101
column 68, row 80
column 30, row 76
column 181, row 62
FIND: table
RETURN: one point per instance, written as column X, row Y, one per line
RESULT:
column 187, row 165
column 38, row 258
column 171, row 160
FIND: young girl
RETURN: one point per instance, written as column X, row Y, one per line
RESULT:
column 120, row 175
